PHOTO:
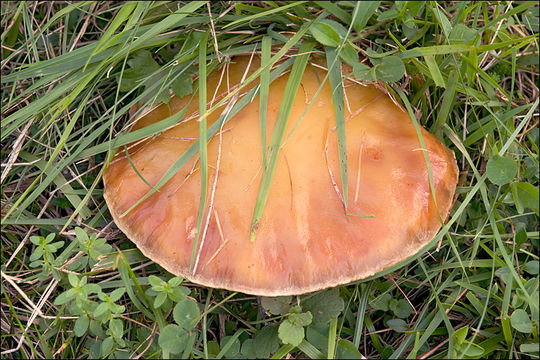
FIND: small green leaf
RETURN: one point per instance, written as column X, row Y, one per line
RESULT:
column 276, row 305
column 160, row 299
column 324, row 33
column 186, row 313
column 529, row 348
column 173, row 339
column 504, row 274
column 290, row 333
column 397, row 325
column 92, row 288
column 155, row 281
column 367, row 9
column 57, row 245
column 102, row 296
column 390, row 14
column 100, row 310
column 363, row 72
column 461, row 334
column 472, row 350
column 144, row 70
column 35, row 240
column 117, row 328
column 178, row 293
column 96, row 329
column 106, row 346
column 81, row 235
column 415, row 7
column 381, row 302
column 301, row 319
column 35, row 264
column 531, row 267
column 213, row 348
column 65, row 297
column 324, row 305
column 81, row 325
column 248, row 350
column 349, row 54
column 234, row 346
column 38, row 253
column 50, row 238
column 73, row 280
column 265, row 343
column 346, row 350
column 118, row 309
column 403, row 309
column 340, row 29
column 520, row 236
column 520, row 321
column 443, row 21
column 141, row 65
column 101, row 247
column 501, row 170
column 527, row 195
column 530, row 19
column 175, row 281
column 182, row 86
column 117, row 294
column 391, row 68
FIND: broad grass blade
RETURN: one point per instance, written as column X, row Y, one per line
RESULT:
column 265, row 85
column 278, row 134
column 334, row 72
column 203, row 144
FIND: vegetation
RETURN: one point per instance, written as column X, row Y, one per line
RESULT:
column 74, row 286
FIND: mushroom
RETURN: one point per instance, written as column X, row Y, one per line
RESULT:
column 306, row 239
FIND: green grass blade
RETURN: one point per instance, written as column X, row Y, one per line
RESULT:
column 229, row 343
column 311, row 351
column 282, row 351
column 278, row 134
column 448, row 99
column 422, row 145
column 336, row 85
column 332, row 336
column 203, row 145
column 264, row 13
column 104, row 42
column 263, row 93
column 362, row 307
column 126, row 151
column 434, row 70
column 522, row 7
column 135, row 291
column 167, row 23
column 335, row 10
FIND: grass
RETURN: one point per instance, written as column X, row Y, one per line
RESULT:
column 74, row 286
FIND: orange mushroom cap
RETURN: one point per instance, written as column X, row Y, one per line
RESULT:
column 305, row 241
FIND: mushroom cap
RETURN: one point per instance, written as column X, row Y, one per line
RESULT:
column 305, row 239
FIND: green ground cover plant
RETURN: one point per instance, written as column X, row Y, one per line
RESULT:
column 73, row 286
